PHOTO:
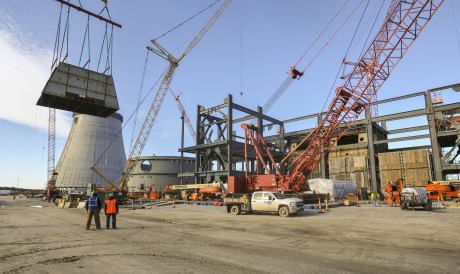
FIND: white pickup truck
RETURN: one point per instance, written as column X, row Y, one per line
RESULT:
column 263, row 201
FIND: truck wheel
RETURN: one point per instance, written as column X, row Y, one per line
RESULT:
column 235, row 210
column 283, row 211
column 402, row 206
column 428, row 206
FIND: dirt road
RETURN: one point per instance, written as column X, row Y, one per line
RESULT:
column 194, row 239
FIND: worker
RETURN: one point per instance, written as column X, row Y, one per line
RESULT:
column 374, row 198
column 111, row 210
column 93, row 207
column 393, row 199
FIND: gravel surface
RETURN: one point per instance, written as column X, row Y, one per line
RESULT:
column 199, row 239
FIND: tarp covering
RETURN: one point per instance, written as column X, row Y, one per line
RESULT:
column 337, row 189
column 418, row 192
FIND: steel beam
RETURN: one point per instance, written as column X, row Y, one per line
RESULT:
column 448, row 109
column 407, row 138
column 408, row 129
column 109, row 21
column 399, row 116
column 393, row 99
column 254, row 114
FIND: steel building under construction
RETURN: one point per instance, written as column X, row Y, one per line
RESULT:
column 363, row 155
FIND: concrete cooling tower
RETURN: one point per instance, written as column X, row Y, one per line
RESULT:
column 87, row 141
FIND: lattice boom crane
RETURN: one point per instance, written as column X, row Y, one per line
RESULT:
column 159, row 97
column 403, row 24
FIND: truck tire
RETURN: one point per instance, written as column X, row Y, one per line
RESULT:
column 428, row 206
column 283, row 211
column 235, row 210
column 403, row 206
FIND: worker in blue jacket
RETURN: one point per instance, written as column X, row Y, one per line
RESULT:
column 93, row 207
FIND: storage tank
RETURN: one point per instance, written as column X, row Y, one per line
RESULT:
column 88, row 139
column 158, row 171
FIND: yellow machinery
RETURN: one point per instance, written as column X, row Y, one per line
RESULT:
column 195, row 192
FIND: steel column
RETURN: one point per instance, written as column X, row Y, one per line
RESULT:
column 371, row 150
column 182, row 147
column 230, row 135
column 198, row 139
column 322, row 163
column 437, row 168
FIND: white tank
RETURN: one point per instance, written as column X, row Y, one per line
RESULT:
column 89, row 137
column 158, row 171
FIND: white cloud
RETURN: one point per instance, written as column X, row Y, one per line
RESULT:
column 24, row 70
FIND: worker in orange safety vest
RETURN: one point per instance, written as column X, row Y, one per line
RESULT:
column 111, row 210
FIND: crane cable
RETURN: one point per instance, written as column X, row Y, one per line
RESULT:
column 186, row 20
column 455, row 25
column 321, row 32
column 129, row 118
column 348, row 51
column 289, row 80
column 139, row 96
column 337, row 31
column 156, row 82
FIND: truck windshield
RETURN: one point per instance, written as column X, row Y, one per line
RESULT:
column 278, row 195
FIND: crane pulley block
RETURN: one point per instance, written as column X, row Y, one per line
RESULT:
column 80, row 90
column 294, row 73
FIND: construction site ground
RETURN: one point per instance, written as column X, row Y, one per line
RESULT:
column 205, row 239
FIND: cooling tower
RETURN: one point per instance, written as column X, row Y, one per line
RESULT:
column 88, row 139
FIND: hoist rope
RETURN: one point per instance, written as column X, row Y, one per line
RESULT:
column 83, row 44
column 333, row 35
column 321, row 32
column 455, row 26
column 187, row 20
column 65, row 37
column 348, row 49
column 131, row 116
column 57, row 40
column 139, row 96
column 102, row 47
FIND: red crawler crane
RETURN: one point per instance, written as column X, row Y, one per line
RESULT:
column 403, row 24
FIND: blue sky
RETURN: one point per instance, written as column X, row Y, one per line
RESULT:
column 249, row 49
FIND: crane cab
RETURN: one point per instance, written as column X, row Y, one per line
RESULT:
column 294, row 73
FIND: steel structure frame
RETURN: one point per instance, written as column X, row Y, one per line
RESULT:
column 218, row 147
column 278, row 143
